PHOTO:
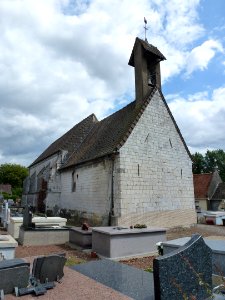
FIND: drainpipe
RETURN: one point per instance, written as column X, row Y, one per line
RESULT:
column 111, row 212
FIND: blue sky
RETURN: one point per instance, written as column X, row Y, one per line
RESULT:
column 61, row 60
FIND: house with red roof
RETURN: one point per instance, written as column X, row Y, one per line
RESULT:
column 131, row 167
column 205, row 187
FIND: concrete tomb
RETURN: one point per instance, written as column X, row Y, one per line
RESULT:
column 118, row 242
column 7, row 246
column 80, row 238
column 30, row 234
column 185, row 272
column 16, row 222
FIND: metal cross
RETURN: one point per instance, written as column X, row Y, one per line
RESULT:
column 145, row 27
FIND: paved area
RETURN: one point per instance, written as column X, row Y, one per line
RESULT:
column 76, row 286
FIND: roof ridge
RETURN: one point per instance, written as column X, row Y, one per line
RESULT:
column 77, row 149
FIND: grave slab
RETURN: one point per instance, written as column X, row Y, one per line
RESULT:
column 130, row 281
column 116, row 242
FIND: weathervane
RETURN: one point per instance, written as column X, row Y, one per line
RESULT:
column 145, row 27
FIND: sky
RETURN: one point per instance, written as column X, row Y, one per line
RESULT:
column 61, row 60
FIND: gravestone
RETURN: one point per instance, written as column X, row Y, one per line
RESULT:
column 13, row 273
column 27, row 217
column 48, row 268
column 185, row 273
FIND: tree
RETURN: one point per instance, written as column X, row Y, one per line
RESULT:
column 198, row 163
column 13, row 174
column 215, row 159
column 212, row 160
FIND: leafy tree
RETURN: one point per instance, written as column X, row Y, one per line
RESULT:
column 198, row 163
column 13, row 174
column 214, row 159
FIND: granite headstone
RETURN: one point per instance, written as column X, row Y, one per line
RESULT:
column 185, row 273
column 13, row 273
column 48, row 268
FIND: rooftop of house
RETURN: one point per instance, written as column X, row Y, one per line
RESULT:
column 201, row 185
column 6, row 188
column 220, row 192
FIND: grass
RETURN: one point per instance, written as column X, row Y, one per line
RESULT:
column 71, row 261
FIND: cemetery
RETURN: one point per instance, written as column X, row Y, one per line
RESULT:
column 191, row 267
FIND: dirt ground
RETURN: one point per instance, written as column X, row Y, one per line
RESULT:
column 75, row 256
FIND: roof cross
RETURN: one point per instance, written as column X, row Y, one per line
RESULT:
column 145, row 27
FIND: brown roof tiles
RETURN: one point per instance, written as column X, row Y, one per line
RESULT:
column 201, row 185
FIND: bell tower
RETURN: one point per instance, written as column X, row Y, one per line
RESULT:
column 145, row 58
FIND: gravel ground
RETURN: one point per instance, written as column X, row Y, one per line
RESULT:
column 76, row 286
column 142, row 263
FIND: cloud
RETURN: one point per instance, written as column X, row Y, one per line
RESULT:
column 199, row 57
column 61, row 60
column 201, row 118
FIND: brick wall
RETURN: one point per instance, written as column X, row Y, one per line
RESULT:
column 155, row 173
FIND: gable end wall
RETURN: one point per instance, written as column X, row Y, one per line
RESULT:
column 156, row 182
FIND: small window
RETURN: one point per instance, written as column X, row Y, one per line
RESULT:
column 73, row 182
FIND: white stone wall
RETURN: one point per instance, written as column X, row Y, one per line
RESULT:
column 93, row 188
column 155, row 171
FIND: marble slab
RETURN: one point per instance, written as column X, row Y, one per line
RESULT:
column 127, row 280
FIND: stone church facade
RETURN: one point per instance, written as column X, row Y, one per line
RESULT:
column 131, row 167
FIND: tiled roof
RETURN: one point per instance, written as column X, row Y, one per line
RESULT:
column 220, row 192
column 201, row 185
column 108, row 135
column 149, row 48
column 71, row 140
column 91, row 139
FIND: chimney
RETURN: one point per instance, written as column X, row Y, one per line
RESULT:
column 145, row 58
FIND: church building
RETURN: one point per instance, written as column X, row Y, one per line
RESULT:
column 133, row 167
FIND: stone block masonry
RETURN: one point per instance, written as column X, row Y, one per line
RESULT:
column 156, row 185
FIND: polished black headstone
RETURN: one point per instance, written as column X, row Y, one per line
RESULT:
column 185, row 272
column 48, row 268
column 127, row 280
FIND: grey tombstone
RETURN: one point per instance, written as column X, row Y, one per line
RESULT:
column 48, row 268
column 13, row 273
column 185, row 273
